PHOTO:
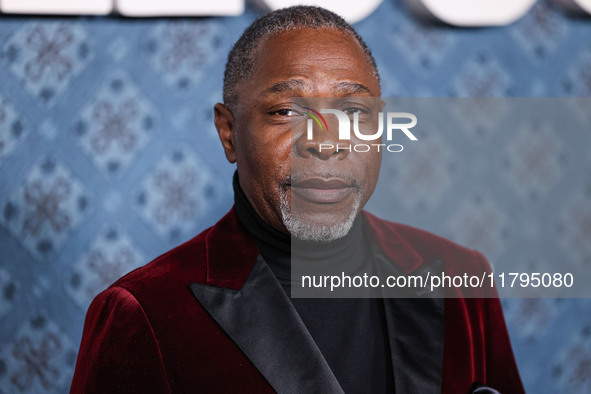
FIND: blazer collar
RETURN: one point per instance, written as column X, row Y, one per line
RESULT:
column 235, row 270
column 230, row 253
column 243, row 296
column 264, row 324
column 385, row 236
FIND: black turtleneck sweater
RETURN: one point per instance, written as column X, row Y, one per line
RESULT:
column 350, row 332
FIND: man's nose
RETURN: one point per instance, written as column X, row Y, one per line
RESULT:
column 324, row 142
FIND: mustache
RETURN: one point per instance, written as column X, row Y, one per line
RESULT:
column 301, row 175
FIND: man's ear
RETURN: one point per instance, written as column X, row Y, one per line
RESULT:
column 224, row 123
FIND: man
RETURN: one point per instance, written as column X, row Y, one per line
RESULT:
column 214, row 314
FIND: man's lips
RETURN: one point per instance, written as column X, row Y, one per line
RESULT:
column 322, row 191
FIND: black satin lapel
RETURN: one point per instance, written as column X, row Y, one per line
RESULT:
column 416, row 338
column 262, row 321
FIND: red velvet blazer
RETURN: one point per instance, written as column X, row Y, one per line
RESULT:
column 209, row 316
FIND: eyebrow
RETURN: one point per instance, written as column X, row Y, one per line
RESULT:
column 352, row 88
column 341, row 88
column 284, row 86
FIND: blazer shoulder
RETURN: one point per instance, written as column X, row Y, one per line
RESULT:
column 119, row 351
column 187, row 260
column 428, row 245
column 216, row 250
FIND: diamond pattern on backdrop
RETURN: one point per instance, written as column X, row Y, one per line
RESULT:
column 40, row 358
column 424, row 46
column 541, row 31
column 174, row 193
column 45, row 208
column 115, row 125
column 482, row 76
column 535, row 160
column 111, row 255
column 424, row 175
column 47, row 56
column 576, row 378
column 479, row 222
column 180, row 51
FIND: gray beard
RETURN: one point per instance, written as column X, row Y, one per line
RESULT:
column 306, row 231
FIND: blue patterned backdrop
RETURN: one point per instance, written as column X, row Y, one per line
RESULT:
column 108, row 157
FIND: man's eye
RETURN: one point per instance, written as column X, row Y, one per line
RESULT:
column 352, row 110
column 285, row 112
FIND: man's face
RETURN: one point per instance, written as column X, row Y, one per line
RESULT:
column 289, row 179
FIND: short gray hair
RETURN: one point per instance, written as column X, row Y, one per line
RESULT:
column 240, row 64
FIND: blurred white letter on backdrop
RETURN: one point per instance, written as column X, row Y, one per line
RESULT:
column 59, row 7
column 578, row 6
column 144, row 8
column 352, row 10
column 472, row 13
column 461, row 13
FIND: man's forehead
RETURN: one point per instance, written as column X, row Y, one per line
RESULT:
column 287, row 65
column 296, row 85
